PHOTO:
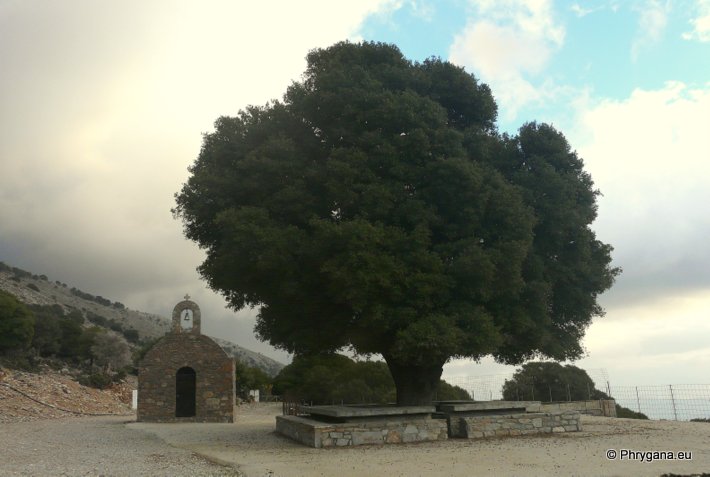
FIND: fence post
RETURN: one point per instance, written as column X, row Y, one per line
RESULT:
column 569, row 395
column 608, row 389
column 549, row 388
column 675, row 413
column 589, row 393
column 638, row 402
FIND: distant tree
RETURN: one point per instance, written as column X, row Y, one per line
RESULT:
column 76, row 340
column 102, row 301
column 32, row 286
column 131, row 335
column 627, row 413
column 550, row 381
column 334, row 378
column 111, row 351
column 115, row 326
column 47, row 336
column 75, row 316
column 16, row 324
column 248, row 378
column 20, row 273
column 448, row 392
column 376, row 207
column 71, row 343
column 97, row 319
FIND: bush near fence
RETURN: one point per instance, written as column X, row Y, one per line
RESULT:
column 680, row 402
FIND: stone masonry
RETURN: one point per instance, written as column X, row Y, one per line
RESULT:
column 473, row 427
column 387, row 430
column 473, row 420
column 596, row 407
column 212, row 394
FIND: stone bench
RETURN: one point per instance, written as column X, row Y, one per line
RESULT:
column 487, row 407
column 473, row 427
column 337, row 426
column 473, row 420
column 358, row 413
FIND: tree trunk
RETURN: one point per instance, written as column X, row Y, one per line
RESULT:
column 415, row 384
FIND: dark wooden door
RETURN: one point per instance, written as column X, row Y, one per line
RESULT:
column 185, row 390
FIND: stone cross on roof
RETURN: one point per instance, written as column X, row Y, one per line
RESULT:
column 187, row 297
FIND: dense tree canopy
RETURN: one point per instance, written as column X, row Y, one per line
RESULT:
column 550, row 381
column 248, row 378
column 336, row 379
column 377, row 208
column 111, row 351
column 16, row 323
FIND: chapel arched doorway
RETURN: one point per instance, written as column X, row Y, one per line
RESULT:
column 185, row 391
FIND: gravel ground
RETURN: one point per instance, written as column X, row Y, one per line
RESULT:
column 119, row 446
column 252, row 445
column 95, row 446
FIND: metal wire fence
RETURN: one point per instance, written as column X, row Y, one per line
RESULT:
column 672, row 401
column 491, row 387
column 680, row 402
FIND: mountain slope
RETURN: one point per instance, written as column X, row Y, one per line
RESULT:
column 39, row 290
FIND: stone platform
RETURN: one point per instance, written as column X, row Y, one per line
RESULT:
column 472, row 420
column 336, row 426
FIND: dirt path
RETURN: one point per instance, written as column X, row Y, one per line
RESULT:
column 94, row 446
column 119, row 446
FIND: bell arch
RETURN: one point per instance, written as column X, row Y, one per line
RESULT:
column 184, row 311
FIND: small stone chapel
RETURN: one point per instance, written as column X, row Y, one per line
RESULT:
column 186, row 376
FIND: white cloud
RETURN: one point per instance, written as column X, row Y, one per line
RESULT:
column 532, row 17
column 423, row 9
column 642, row 343
column 701, row 22
column 665, row 343
column 103, row 106
column 505, row 43
column 580, row 11
column 653, row 18
column 648, row 155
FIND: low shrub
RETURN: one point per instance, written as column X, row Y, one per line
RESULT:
column 95, row 380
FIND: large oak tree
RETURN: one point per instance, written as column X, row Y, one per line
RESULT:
column 376, row 207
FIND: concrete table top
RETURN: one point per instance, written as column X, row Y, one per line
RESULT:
column 351, row 411
column 529, row 406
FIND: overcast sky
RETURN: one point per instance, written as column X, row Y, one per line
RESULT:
column 103, row 106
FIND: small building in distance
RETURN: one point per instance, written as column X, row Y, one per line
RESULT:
column 186, row 376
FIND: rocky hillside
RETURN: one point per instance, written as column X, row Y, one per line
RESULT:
column 40, row 290
column 54, row 394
